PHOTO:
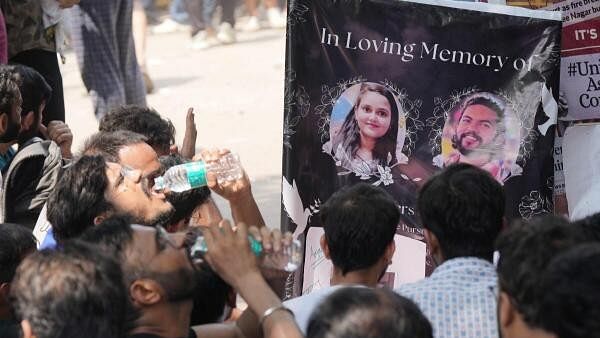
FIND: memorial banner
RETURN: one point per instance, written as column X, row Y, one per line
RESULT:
column 390, row 92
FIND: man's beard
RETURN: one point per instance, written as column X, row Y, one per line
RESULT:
column 163, row 219
column 179, row 285
column 458, row 140
column 12, row 131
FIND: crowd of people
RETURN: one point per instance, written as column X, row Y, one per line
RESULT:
column 116, row 261
column 89, row 247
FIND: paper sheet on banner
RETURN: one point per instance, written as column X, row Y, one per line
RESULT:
column 407, row 264
column 581, row 152
column 580, row 66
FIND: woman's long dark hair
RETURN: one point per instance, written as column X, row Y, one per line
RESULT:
column 350, row 134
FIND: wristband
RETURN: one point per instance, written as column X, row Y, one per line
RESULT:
column 272, row 310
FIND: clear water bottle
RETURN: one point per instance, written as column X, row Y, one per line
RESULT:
column 193, row 175
column 287, row 259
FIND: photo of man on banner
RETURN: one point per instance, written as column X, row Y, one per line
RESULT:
column 482, row 131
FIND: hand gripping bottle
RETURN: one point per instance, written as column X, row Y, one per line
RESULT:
column 193, row 174
column 287, row 259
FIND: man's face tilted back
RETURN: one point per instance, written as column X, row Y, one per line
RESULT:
column 476, row 129
column 163, row 257
column 133, row 192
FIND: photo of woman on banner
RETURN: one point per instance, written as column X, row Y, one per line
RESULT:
column 482, row 131
column 367, row 128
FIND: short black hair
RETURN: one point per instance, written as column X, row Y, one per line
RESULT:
column 143, row 120
column 71, row 292
column 108, row 144
column 463, row 206
column 10, row 96
column 15, row 242
column 79, row 197
column 184, row 203
column 359, row 223
column 525, row 250
column 357, row 312
column 486, row 99
column 112, row 237
column 590, row 226
column 570, row 306
column 34, row 88
column 210, row 297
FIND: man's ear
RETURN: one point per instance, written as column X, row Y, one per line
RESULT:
column 26, row 328
column 433, row 244
column 145, row 292
column 506, row 311
column 3, row 123
column 325, row 247
column 27, row 120
column 389, row 251
column 173, row 149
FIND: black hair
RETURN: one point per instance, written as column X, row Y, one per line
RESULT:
column 210, row 297
column 160, row 133
column 359, row 223
column 486, row 99
column 34, row 89
column 15, row 242
column 113, row 236
column 590, row 226
column 463, row 206
column 9, row 90
column 71, row 292
column 108, row 144
column 356, row 312
column 10, row 99
column 79, row 197
column 184, row 203
column 525, row 250
column 571, row 293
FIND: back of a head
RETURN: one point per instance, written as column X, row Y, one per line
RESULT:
column 79, row 197
column 525, row 250
column 108, row 144
column 368, row 313
column 359, row 223
column 590, row 226
column 34, row 89
column 9, row 89
column 570, row 306
column 70, row 293
column 16, row 242
column 146, row 121
column 184, row 202
column 463, row 206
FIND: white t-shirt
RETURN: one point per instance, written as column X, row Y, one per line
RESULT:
column 304, row 306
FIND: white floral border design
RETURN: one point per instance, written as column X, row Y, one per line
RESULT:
column 534, row 204
column 296, row 107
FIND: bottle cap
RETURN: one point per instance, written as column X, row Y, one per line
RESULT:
column 159, row 184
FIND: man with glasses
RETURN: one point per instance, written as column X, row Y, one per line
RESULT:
column 161, row 276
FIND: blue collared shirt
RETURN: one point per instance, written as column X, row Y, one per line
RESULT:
column 459, row 298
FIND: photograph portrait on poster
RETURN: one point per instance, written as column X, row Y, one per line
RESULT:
column 367, row 128
column 482, row 130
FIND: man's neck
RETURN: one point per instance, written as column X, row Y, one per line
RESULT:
column 368, row 277
column 165, row 320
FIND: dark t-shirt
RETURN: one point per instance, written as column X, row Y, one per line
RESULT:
column 192, row 334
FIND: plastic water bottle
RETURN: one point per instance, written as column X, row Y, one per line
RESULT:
column 193, row 175
column 287, row 259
